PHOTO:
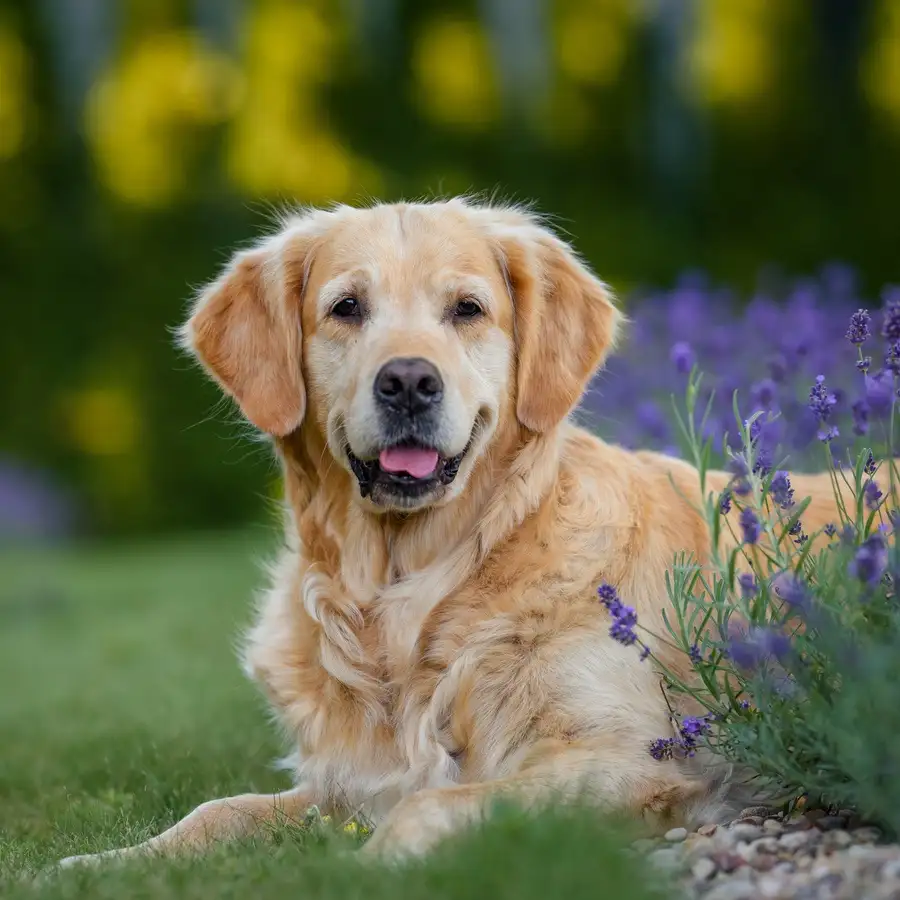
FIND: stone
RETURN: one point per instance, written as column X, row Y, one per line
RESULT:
column 764, row 862
column 773, row 826
column 795, row 840
column 665, row 859
column 727, row 861
column 799, row 824
column 867, row 835
column 707, row 830
column 731, row 890
column 676, row 835
column 771, row 887
column 704, row 869
column 644, row 845
column 762, row 811
column 890, row 871
column 745, row 832
column 836, row 840
column 830, row 823
column 750, row 820
column 813, row 815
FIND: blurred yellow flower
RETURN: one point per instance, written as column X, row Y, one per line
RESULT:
column 142, row 112
column 592, row 40
column 13, row 92
column 102, row 421
column 881, row 66
column 454, row 77
column 733, row 53
column 279, row 143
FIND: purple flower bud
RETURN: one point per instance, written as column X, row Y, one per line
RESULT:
column 870, row 562
column 750, row 527
column 682, row 357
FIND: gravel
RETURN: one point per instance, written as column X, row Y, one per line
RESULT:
column 815, row 855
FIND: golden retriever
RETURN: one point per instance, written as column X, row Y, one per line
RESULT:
column 431, row 637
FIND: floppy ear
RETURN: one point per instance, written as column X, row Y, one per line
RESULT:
column 566, row 323
column 245, row 331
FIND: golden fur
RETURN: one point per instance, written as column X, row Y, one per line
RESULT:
column 425, row 658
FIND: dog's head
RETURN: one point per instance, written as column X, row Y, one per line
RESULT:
column 408, row 335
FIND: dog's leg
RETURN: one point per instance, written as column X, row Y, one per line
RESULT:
column 424, row 818
column 213, row 822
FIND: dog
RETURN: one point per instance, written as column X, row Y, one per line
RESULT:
column 431, row 638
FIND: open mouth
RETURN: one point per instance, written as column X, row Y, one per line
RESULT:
column 409, row 469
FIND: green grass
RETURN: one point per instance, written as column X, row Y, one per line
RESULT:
column 122, row 707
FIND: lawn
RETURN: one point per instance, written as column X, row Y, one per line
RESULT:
column 122, row 707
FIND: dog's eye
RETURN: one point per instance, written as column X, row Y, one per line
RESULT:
column 467, row 309
column 346, row 308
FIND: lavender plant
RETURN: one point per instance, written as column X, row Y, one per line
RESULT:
column 792, row 640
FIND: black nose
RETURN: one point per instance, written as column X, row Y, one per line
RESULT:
column 409, row 385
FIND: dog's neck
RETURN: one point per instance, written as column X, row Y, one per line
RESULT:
column 401, row 567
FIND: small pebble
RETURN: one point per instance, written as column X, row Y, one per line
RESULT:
column 727, row 862
column 762, row 811
column 704, row 869
column 773, row 826
column 707, row 830
column 731, row 890
column 836, row 839
column 745, row 832
column 676, row 835
column 866, row 835
column 891, row 871
column 796, row 839
column 830, row 823
column 750, row 820
column 665, row 859
column 813, row 815
column 644, row 845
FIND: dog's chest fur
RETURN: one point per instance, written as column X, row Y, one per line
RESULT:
column 401, row 693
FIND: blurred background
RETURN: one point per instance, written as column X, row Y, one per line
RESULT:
column 142, row 140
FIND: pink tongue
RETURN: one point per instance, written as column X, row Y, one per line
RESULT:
column 415, row 461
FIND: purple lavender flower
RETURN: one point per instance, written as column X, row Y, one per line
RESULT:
column 622, row 628
column 764, row 393
column 758, row 645
column 781, row 491
column 695, row 655
column 725, row 502
column 860, row 411
column 871, row 466
column 609, row 597
column 683, row 357
column 891, row 327
column 830, row 530
column 740, row 482
column 792, row 590
column 880, row 393
column 872, row 494
column 750, row 527
column 663, row 748
column 749, row 587
column 870, row 562
column 864, row 364
column 624, row 618
column 820, row 401
column 892, row 358
column 859, row 330
column 692, row 729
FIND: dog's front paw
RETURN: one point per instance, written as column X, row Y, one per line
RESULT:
column 89, row 859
